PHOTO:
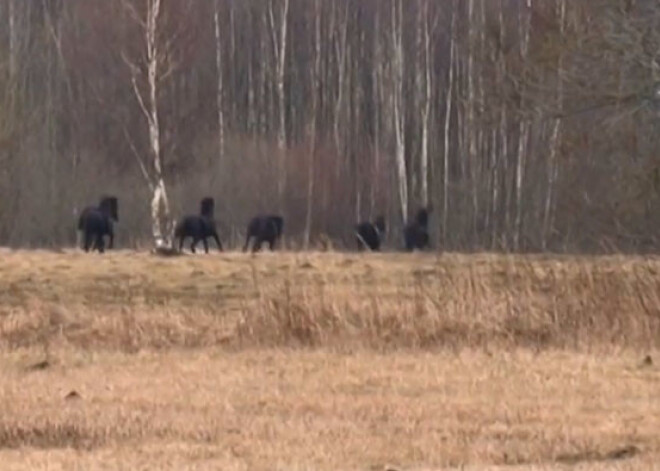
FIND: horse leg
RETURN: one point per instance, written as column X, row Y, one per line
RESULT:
column 87, row 241
column 111, row 240
column 100, row 245
column 256, row 247
column 217, row 241
column 271, row 243
column 181, row 243
column 247, row 243
column 193, row 244
column 206, row 245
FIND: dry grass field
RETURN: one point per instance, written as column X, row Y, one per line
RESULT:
column 326, row 361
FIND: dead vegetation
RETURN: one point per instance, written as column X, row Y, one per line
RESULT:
column 328, row 361
column 129, row 301
column 282, row 409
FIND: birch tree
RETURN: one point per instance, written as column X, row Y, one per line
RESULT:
column 279, row 28
column 148, row 102
column 524, row 19
column 553, row 167
column 220, row 83
column 425, row 92
column 399, row 111
column 449, row 94
column 13, row 39
column 315, row 79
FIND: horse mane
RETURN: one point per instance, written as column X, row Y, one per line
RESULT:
column 207, row 207
column 379, row 223
column 278, row 221
column 109, row 205
column 422, row 217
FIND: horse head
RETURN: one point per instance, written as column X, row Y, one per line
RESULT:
column 207, row 207
column 379, row 223
column 109, row 207
column 278, row 222
column 422, row 217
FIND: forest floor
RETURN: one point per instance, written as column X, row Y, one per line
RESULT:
column 328, row 361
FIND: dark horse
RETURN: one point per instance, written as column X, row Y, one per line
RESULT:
column 95, row 222
column 416, row 233
column 370, row 234
column 198, row 227
column 266, row 228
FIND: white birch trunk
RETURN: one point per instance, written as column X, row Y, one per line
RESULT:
column 504, row 140
column 523, row 131
column 377, row 86
column 495, row 194
column 471, row 134
column 13, row 41
column 399, row 118
column 448, row 110
column 159, row 204
column 219, row 84
column 553, row 167
column 426, row 109
column 316, row 73
column 279, row 47
column 341, row 53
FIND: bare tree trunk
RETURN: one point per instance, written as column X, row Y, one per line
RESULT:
column 377, row 86
column 233, row 60
column 482, row 135
column 553, row 168
column 494, row 188
column 471, row 134
column 523, row 132
column 341, row 53
column 426, row 108
column 279, row 47
column 503, row 149
column 316, row 73
column 160, row 209
column 219, row 84
column 13, row 41
column 399, row 115
column 252, row 125
column 448, row 111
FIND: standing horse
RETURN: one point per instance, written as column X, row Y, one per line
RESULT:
column 199, row 227
column 416, row 233
column 370, row 234
column 266, row 228
column 95, row 222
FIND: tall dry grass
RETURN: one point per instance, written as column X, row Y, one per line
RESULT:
column 459, row 301
column 129, row 301
column 132, row 361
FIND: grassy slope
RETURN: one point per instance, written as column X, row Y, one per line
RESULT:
column 133, row 300
column 192, row 361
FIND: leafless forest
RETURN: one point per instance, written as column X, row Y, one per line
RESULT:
column 528, row 125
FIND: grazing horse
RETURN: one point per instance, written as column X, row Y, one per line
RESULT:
column 95, row 222
column 416, row 233
column 266, row 228
column 370, row 234
column 198, row 227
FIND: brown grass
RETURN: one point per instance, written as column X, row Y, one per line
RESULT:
column 407, row 361
column 128, row 301
column 270, row 409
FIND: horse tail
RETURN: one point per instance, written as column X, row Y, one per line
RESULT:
column 178, row 229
